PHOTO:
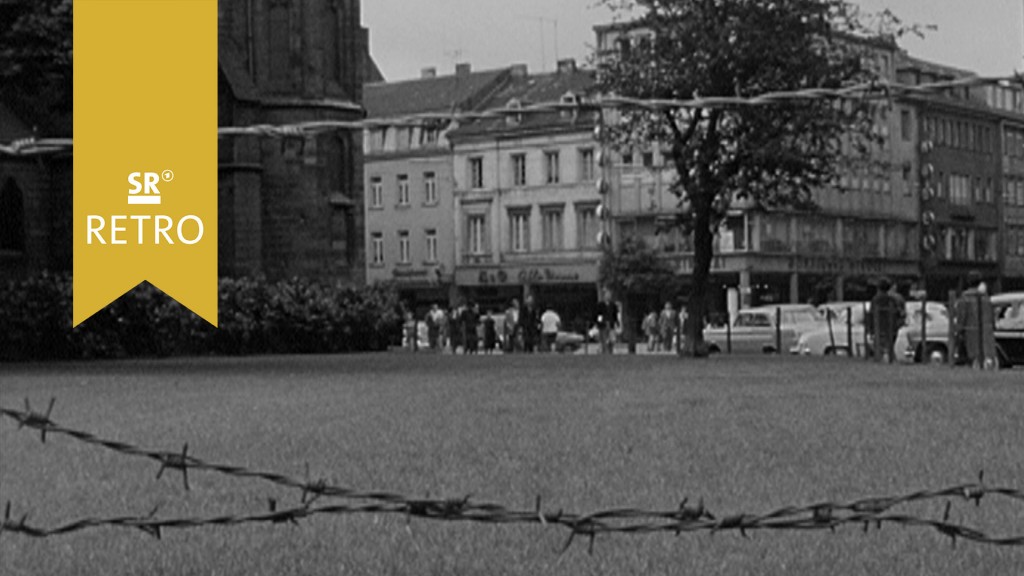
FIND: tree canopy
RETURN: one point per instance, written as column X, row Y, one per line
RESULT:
column 35, row 62
column 777, row 154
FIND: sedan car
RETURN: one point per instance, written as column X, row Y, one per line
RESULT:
column 846, row 337
column 754, row 329
column 1009, row 316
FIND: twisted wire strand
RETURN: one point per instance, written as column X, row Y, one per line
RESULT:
column 875, row 90
column 819, row 516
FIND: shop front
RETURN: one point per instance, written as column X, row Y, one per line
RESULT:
column 570, row 289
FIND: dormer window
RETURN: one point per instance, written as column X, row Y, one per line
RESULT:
column 514, row 119
column 569, row 99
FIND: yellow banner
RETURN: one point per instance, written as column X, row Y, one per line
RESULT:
column 145, row 168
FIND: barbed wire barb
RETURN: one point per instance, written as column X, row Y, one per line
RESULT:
column 623, row 520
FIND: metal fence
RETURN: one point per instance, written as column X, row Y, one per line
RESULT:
column 317, row 497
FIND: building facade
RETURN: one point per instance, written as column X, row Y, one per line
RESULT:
column 409, row 183
column 923, row 207
column 291, row 206
column 1009, row 101
column 35, row 205
column 526, row 198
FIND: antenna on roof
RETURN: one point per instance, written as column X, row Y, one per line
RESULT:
column 543, row 53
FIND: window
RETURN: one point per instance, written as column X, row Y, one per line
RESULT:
column 376, row 192
column 647, row 158
column 586, row 164
column 985, row 245
column 551, row 167
column 12, row 217
column 403, row 190
column 586, row 226
column 429, row 188
column 476, row 226
column 906, row 130
column 377, row 248
column 476, row 172
column 960, row 189
column 403, row 247
column 519, row 230
column 519, row 169
column 627, row 158
column 431, row 237
column 551, row 228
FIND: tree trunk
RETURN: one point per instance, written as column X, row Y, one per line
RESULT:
column 703, row 246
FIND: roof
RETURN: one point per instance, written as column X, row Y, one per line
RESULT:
column 438, row 94
column 535, row 89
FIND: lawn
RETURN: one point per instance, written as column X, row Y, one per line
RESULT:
column 584, row 433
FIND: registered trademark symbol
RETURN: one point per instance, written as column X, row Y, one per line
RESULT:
column 167, row 175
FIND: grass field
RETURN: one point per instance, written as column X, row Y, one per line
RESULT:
column 584, row 433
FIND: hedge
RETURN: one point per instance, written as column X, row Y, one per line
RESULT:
column 255, row 317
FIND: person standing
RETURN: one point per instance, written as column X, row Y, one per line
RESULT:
column 883, row 321
column 511, row 325
column 433, row 326
column 551, row 323
column 490, row 333
column 650, row 329
column 974, row 324
column 471, row 321
column 667, row 323
column 607, row 320
column 529, row 321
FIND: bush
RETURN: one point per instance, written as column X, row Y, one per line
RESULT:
column 255, row 317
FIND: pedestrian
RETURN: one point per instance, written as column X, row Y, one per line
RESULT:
column 607, row 320
column 974, row 325
column 883, row 321
column 529, row 321
column 433, row 326
column 650, row 330
column 511, row 325
column 490, row 332
column 470, row 322
column 551, row 323
column 667, row 322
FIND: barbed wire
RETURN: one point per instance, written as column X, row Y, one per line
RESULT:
column 685, row 518
column 874, row 90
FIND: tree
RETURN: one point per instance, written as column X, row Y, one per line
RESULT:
column 632, row 269
column 775, row 154
column 35, row 62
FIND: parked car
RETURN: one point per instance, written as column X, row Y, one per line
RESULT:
column 825, row 342
column 1009, row 316
column 909, row 345
column 1009, row 334
column 754, row 330
column 842, row 334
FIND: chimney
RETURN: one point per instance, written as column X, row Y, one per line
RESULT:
column 462, row 69
column 519, row 71
column 428, row 72
column 567, row 66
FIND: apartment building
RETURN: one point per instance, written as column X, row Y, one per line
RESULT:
column 409, row 183
column 526, row 197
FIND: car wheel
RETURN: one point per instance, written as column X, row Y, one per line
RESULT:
column 935, row 354
column 837, row 351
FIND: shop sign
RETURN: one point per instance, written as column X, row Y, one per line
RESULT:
column 530, row 275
